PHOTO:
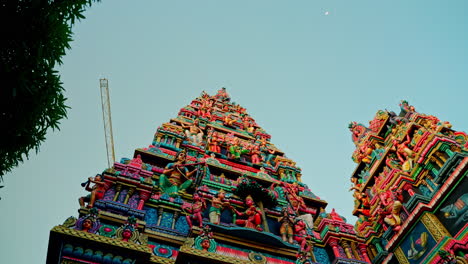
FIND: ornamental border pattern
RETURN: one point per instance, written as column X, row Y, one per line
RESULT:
column 435, row 227
column 101, row 239
column 213, row 256
column 401, row 256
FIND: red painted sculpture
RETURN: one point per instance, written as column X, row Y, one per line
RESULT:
column 195, row 210
column 254, row 215
column 97, row 191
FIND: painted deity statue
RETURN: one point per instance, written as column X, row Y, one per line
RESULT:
column 205, row 108
column 129, row 231
column 335, row 216
column 361, row 197
column 204, row 241
column 194, row 133
column 301, row 236
column 287, row 223
column 229, row 120
column 404, row 153
column 358, row 131
column 136, row 162
column 195, row 210
column 217, row 205
column 222, row 95
column 253, row 214
column 214, row 141
column 391, row 203
column 97, row 191
column 249, row 124
column 176, row 177
column 255, row 154
column 392, row 161
column 405, row 106
column 88, row 223
column 268, row 154
column 236, row 149
column 297, row 202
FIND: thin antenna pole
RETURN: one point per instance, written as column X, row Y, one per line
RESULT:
column 106, row 116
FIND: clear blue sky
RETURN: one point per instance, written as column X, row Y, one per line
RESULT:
column 302, row 74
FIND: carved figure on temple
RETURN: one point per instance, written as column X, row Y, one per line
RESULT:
column 292, row 194
column 335, row 216
column 229, row 120
column 97, row 191
column 458, row 210
column 267, row 153
column 394, row 119
column 249, row 124
column 362, row 202
column 88, row 223
column 213, row 141
column 404, row 153
column 357, row 130
column 204, row 241
column 391, row 207
column 205, row 108
column 297, row 202
column 447, row 257
column 137, row 161
column 241, row 110
column 217, row 205
column 305, row 257
column 405, row 106
column 222, row 95
column 129, row 232
column 356, row 186
column 176, row 177
column 204, row 95
column 364, row 151
column 194, row 133
column 364, row 207
column 253, row 214
column 255, row 154
column 287, row 223
column 236, row 149
column 301, row 236
column 392, row 162
column 195, row 210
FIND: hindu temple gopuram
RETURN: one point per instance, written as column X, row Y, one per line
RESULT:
column 410, row 188
column 211, row 187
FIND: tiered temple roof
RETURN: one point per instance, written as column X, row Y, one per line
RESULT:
column 410, row 188
column 210, row 188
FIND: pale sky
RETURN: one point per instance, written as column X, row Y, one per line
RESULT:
column 303, row 69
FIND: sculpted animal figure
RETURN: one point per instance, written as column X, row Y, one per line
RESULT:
column 458, row 210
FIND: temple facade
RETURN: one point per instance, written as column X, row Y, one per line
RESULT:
column 410, row 188
column 211, row 187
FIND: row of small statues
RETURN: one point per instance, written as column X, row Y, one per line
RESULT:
column 233, row 113
column 291, row 229
column 291, row 226
column 175, row 179
column 257, row 149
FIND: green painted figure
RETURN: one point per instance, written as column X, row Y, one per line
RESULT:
column 176, row 177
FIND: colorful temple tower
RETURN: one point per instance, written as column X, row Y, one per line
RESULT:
column 212, row 188
column 411, row 188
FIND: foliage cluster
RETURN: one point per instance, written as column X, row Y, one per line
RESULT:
column 36, row 34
